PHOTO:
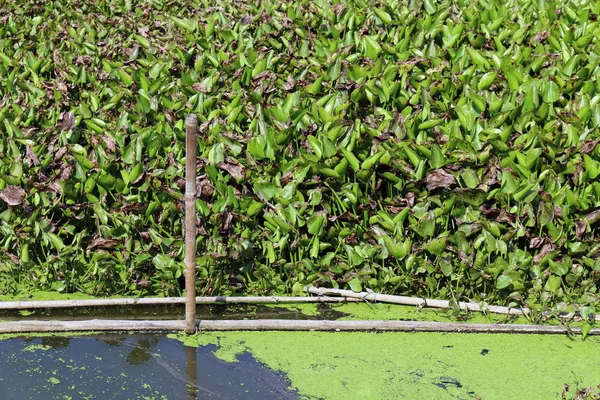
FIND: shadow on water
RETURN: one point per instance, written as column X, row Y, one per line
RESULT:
column 205, row 311
column 130, row 366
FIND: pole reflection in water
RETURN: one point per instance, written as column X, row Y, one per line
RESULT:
column 191, row 372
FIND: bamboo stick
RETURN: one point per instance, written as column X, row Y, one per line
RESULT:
column 391, row 326
column 91, row 325
column 36, row 304
column 191, row 125
column 283, row 325
column 415, row 301
column 422, row 302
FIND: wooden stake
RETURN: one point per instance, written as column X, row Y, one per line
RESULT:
column 191, row 127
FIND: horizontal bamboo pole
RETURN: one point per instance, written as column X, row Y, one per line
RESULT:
column 422, row 302
column 91, row 325
column 322, row 296
column 390, row 326
column 282, row 325
column 34, row 304
column 414, row 301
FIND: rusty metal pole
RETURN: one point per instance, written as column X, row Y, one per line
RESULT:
column 191, row 127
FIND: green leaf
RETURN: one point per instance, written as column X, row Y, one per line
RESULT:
column 316, row 146
column 370, row 161
column 503, row 282
column 371, row 48
column 136, row 172
column 315, row 224
column 470, row 178
column 355, row 284
column 558, row 268
column 185, row 23
column 383, row 16
column 266, row 189
column 437, row 246
column 352, row 160
column 125, row 77
column 551, row 92
column 553, row 284
column 56, row 241
column 509, row 183
column 486, row 80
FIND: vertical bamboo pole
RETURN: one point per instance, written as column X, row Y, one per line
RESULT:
column 191, row 126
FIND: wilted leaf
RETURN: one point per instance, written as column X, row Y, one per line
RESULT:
column 589, row 146
column 580, row 228
column 235, row 170
column 31, row 157
column 440, row 179
column 546, row 249
column 102, row 243
column 13, row 195
column 66, row 122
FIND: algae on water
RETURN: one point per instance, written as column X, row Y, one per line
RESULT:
column 417, row 366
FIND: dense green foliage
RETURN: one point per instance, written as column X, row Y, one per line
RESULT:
column 441, row 149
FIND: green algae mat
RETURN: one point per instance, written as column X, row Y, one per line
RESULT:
column 417, row 366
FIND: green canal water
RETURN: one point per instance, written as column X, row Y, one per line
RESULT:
column 294, row 365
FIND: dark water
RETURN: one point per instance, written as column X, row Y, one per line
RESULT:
column 130, row 367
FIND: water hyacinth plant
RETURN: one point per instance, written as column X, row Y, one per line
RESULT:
column 441, row 148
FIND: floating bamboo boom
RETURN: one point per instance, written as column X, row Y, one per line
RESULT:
column 415, row 301
column 283, row 325
column 36, row 304
column 422, row 302
column 191, row 126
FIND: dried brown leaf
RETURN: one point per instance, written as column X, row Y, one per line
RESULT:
column 247, row 19
column 199, row 87
column 580, row 228
column 204, row 188
column 102, row 243
column 490, row 212
column 546, row 249
column 289, row 83
column 31, row 157
column 66, row 122
column 286, row 178
column 440, row 179
column 226, row 223
column 410, row 199
column 347, row 216
column 13, row 195
column 60, row 153
column 65, row 171
column 589, row 146
column 235, row 170
column 109, row 142
column 536, row 242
